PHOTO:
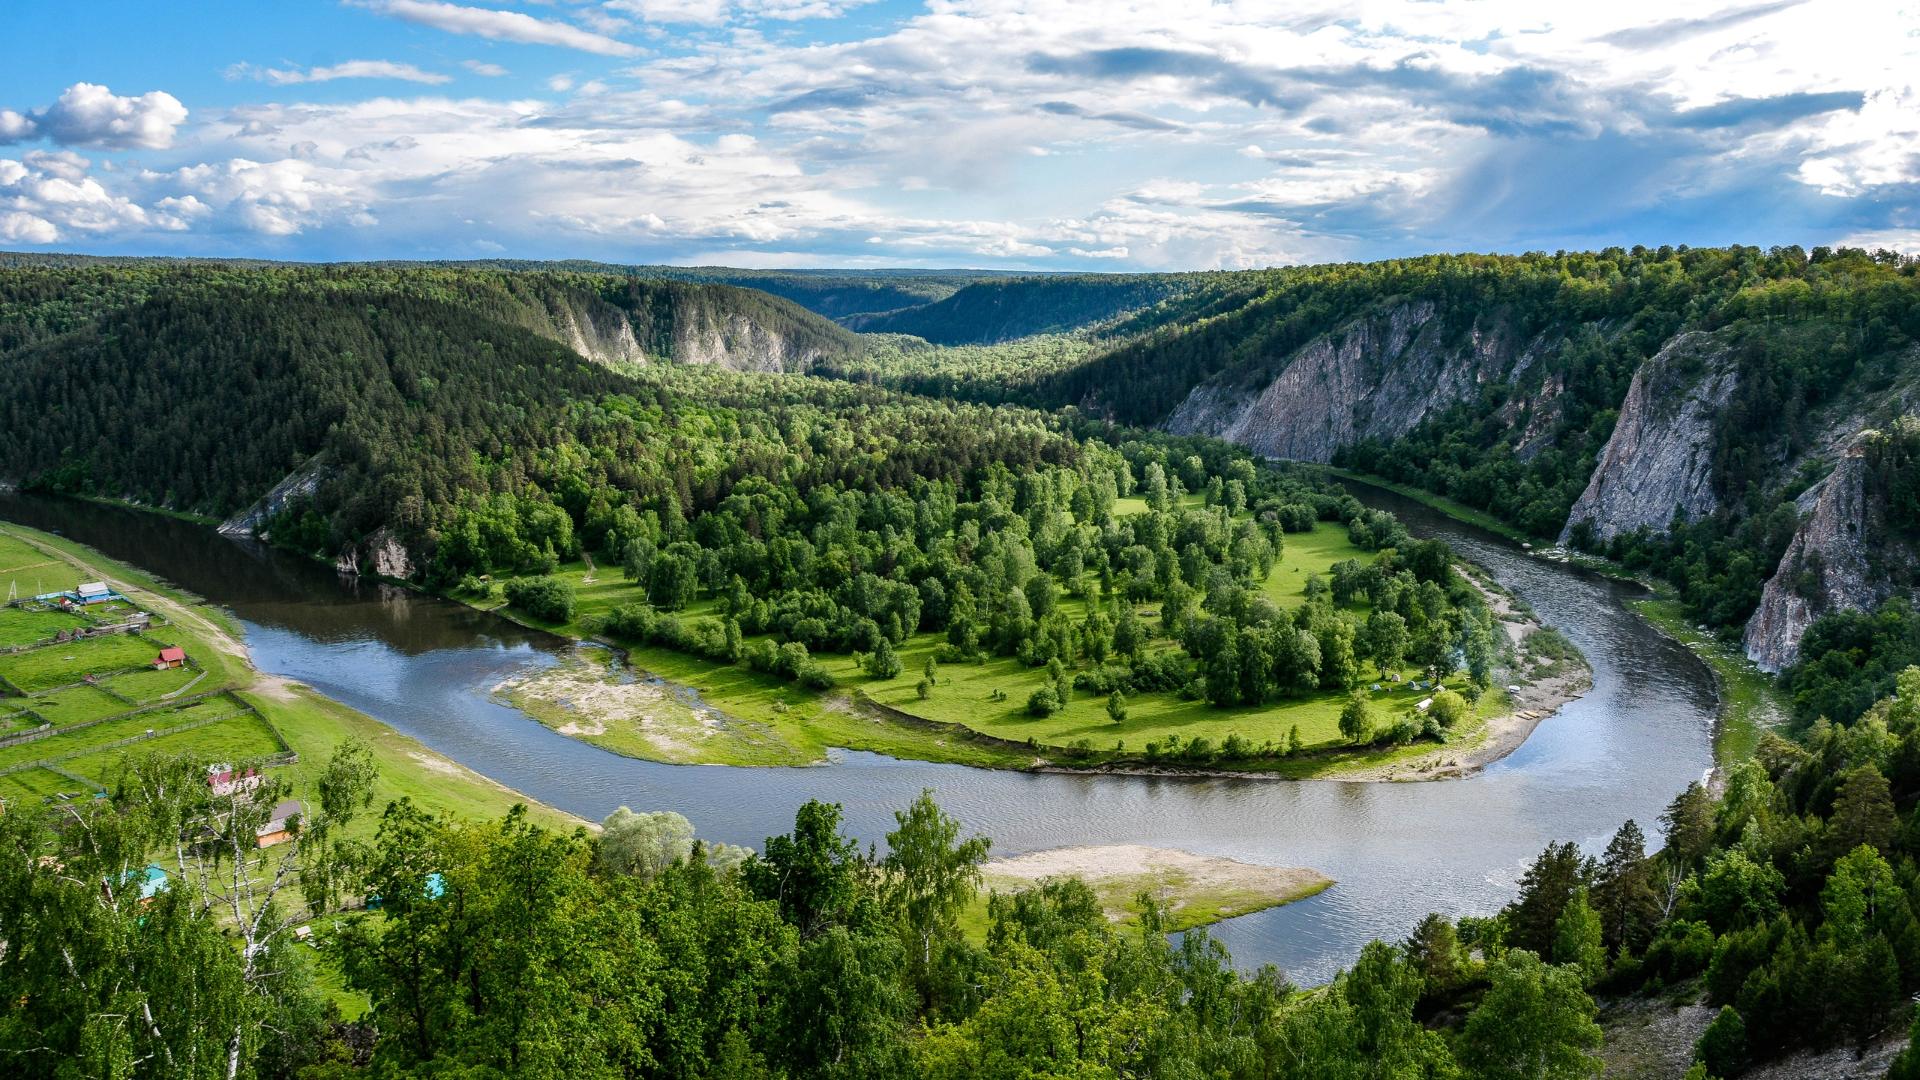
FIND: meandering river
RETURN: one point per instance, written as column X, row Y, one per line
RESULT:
column 1398, row 851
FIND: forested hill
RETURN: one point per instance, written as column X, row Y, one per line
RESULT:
column 987, row 312
column 199, row 386
column 1726, row 418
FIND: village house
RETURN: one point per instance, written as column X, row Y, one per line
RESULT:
column 226, row 780
column 281, row 824
column 172, row 656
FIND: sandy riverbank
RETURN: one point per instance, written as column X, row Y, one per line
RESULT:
column 1194, row 890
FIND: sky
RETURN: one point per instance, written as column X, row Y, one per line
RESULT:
column 1043, row 135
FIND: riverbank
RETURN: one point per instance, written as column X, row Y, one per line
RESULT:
column 310, row 724
column 1192, row 890
column 1750, row 706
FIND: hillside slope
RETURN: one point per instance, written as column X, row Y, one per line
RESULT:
column 199, row 386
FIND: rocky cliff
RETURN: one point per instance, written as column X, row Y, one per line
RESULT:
column 598, row 331
column 300, row 484
column 1376, row 377
column 1825, row 568
column 1658, row 464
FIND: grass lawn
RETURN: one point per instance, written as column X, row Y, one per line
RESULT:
column 76, row 704
column 148, row 685
column 1749, row 704
column 20, row 626
column 58, row 665
column 38, row 783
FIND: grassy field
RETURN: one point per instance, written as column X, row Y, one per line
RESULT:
column 61, row 665
column 19, row 626
column 1749, row 704
column 256, row 713
column 766, row 721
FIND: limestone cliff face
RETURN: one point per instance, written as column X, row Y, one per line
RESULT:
column 1375, row 378
column 732, row 340
column 1658, row 464
column 698, row 330
column 297, row 485
column 380, row 554
column 1843, row 557
column 598, row 331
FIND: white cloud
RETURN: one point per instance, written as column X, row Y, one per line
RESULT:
column 90, row 115
column 481, row 67
column 716, row 12
column 349, row 69
column 496, row 25
column 49, row 196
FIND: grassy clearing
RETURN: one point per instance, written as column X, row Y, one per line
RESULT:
column 39, row 783
column 59, row 665
column 76, row 705
column 21, row 626
column 1749, row 704
column 310, row 724
column 148, row 685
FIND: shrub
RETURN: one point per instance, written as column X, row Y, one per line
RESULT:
column 1043, row 702
column 546, row 598
column 1723, row 1046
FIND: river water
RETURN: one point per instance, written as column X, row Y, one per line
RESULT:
column 1397, row 851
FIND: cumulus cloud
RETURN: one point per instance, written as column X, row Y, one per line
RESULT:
column 47, row 197
column 496, row 25
column 349, row 69
column 90, row 115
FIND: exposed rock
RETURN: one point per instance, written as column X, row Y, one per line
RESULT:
column 1377, row 377
column 380, row 554
column 600, row 332
column 300, row 484
column 732, row 340
column 1825, row 568
column 1658, row 465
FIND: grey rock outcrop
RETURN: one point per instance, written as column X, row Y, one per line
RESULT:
column 300, row 484
column 380, row 554
column 1658, row 464
column 1375, row 378
column 1836, row 561
column 733, row 340
column 600, row 332
column 1824, row 567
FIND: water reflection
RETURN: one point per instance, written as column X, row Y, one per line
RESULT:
column 1397, row 850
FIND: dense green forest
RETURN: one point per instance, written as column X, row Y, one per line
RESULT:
column 1810, row 333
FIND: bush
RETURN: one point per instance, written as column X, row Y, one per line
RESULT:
column 1723, row 1046
column 548, row 599
column 1043, row 702
column 1449, row 709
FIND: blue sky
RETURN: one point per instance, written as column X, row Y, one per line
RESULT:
column 1177, row 134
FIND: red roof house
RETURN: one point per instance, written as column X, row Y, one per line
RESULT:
column 172, row 656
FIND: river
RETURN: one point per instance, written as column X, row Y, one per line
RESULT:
column 1398, row 851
